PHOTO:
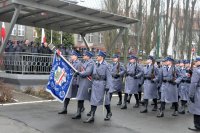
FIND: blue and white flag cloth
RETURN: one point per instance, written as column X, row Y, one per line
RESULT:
column 60, row 78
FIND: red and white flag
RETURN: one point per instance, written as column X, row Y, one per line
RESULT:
column 3, row 32
column 43, row 37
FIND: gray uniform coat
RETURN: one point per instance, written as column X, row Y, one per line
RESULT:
column 184, row 85
column 100, row 82
column 194, row 91
column 169, row 91
column 74, row 87
column 133, row 73
column 84, row 82
column 141, row 81
column 150, row 83
column 116, row 82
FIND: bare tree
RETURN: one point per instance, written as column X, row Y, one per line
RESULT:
column 138, row 26
column 168, row 25
column 176, row 28
column 149, row 28
column 185, row 30
column 198, row 43
column 190, row 35
column 113, row 7
column 125, row 38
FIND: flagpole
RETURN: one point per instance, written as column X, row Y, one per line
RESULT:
column 51, row 36
column 61, row 37
column 3, row 33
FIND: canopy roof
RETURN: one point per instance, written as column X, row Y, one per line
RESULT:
column 61, row 16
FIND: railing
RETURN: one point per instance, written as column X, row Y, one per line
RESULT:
column 26, row 63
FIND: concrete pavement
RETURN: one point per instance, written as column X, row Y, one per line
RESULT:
column 43, row 118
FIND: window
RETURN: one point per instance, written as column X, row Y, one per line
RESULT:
column 35, row 34
column 21, row 30
column 14, row 31
column 90, row 37
column 79, row 38
column 100, row 37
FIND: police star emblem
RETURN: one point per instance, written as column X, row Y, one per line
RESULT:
column 60, row 76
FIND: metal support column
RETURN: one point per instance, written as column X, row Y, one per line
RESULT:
column 12, row 24
column 85, row 41
column 116, row 38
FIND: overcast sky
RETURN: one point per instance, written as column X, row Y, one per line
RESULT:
column 97, row 4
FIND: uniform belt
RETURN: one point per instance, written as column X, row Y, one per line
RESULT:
column 99, row 79
column 131, row 75
column 95, row 77
column 147, row 78
column 186, row 81
column 116, row 77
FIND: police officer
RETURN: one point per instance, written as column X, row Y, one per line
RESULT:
column 117, row 72
column 75, row 83
column 184, row 85
column 160, row 65
column 169, row 90
column 84, row 82
column 151, row 78
column 194, row 96
column 100, row 87
column 133, row 72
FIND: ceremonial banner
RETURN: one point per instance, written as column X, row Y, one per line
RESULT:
column 60, row 78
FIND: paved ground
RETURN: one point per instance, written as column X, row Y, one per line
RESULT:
column 43, row 118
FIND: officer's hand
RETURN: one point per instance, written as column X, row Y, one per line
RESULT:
column 192, row 99
column 152, row 81
column 89, row 90
column 118, row 75
column 174, row 83
column 76, row 74
column 135, row 77
column 77, row 86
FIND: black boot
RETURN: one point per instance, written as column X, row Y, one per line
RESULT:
column 124, row 106
column 161, row 110
column 155, row 105
column 137, row 101
column 145, row 106
column 120, row 98
column 64, row 111
column 78, row 114
column 110, row 94
column 140, row 96
column 182, row 108
column 82, row 109
column 109, row 113
column 175, row 109
column 129, row 98
column 160, row 114
column 89, row 113
column 91, row 118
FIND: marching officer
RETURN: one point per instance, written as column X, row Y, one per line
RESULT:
column 184, row 85
column 159, row 66
column 85, row 82
column 151, row 78
column 194, row 96
column 100, row 87
column 75, row 83
column 169, row 90
column 117, row 72
column 133, row 72
column 140, row 84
